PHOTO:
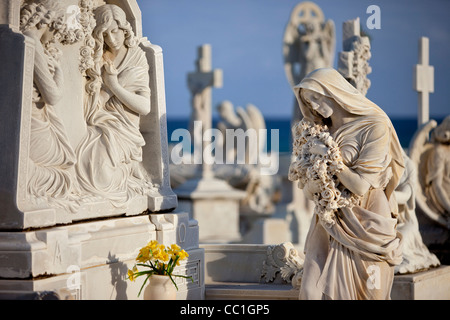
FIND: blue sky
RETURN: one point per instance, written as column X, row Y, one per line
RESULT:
column 246, row 38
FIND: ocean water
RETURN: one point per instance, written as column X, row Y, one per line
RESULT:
column 405, row 128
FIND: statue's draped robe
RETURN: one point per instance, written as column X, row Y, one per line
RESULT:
column 356, row 256
column 110, row 156
column 51, row 155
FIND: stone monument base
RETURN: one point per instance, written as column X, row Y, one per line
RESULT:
column 234, row 272
column 90, row 260
column 215, row 205
column 268, row 231
column 432, row 284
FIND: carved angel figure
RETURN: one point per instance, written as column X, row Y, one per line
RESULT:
column 109, row 158
column 354, row 257
column 432, row 156
column 250, row 121
column 416, row 256
column 51, row 157
column 246, row 119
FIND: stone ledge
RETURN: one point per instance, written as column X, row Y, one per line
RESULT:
column 250, row 291
column 433, row 284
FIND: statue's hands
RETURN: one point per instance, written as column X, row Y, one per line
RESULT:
column 109, row 75
column 319, row 148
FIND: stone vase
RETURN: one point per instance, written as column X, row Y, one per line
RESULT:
column 160, row 287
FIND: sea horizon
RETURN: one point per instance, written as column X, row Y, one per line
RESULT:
column 404, row 126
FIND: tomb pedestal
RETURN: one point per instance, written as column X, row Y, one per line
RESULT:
column 215, row 205
column 292, row 217
column 236, row 272
column 90, row 260
column 432, row 284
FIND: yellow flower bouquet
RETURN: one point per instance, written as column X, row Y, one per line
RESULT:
column 159, row 260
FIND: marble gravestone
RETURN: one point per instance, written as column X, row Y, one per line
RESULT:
column 29, row 201
column 83, row 139
column 210, row 200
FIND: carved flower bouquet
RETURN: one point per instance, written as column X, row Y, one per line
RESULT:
column 157, row 259
column 319, row 169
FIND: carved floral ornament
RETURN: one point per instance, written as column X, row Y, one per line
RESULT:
column 66, row 24
column 283, row 260
column 73, row 24
column 321, row 169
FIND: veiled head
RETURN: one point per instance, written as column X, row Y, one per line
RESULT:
column 330, row 83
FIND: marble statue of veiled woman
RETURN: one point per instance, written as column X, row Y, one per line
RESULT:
column 51, row 156
column 109, row 158
column 353, row 258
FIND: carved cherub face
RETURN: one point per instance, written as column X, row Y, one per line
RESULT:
column 114, row 36
column 318, row 103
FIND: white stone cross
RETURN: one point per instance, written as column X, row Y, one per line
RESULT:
column 200, row 84
column 423, row 81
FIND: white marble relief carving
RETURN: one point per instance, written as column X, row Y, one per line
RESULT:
column 74, row 100
column 110, row 156
column 51, row 157
column 106, row 164
column 87, row 21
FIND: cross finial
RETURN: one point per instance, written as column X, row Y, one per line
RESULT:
column 204, row 58
column 423, row 81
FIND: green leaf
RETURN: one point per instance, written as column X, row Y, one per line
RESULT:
column 144, row 284
column 170, row 276
column 186, row 277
